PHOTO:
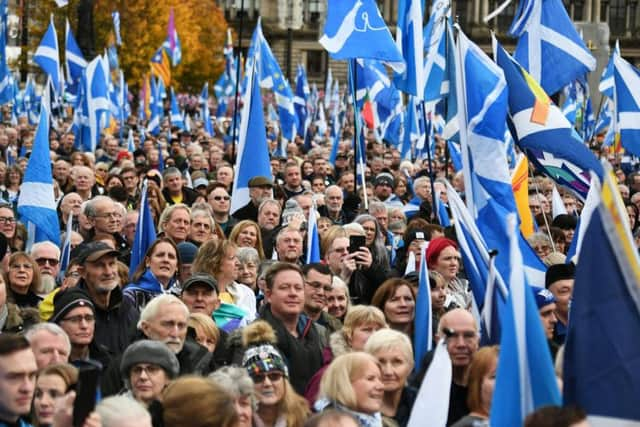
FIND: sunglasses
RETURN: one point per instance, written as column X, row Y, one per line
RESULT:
column 51, row 261
column 219, row 198
column 273, row 377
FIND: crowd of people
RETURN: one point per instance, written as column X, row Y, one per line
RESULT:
column 224, row 322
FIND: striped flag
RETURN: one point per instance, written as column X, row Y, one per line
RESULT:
column 160, row 66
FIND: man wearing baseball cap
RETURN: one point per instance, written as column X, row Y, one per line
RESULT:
column 115, row 318
column 559, row 280
column 546, row 303
column 260, row 189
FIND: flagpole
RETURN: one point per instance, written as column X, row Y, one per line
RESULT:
column 434, row 206
column 235, row 100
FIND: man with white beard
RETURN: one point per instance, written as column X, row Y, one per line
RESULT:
column 47, row 256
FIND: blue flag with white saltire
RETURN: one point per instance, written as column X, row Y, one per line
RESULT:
column 423, row 337
column 36, row 202
column 205, row 113
column 6, row 86
column 355, row 29
column 176, row 116
column 435, row 46
column 97, row 96
column 604, row 119
column 145, row 232
column 411, row 44
column 606, row 84
column 313, row 238
column 627, row 103
column 153, row 127
column 65, row 252
column 253, row 152
column 550, row 48
column 601, row 370
column 542, row 132
column 300, row 102
column 47, row 55
column 525, row 378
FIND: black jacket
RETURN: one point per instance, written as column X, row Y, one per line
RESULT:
column 248, row 211
column 116, row 324
column 188, row 196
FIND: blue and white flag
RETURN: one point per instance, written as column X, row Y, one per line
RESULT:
column 606, row 80
column 601, row 373
column 98, row 104
column 176, row 116
column 153, row 127
column 65, row 252
column 116, row 26
column 6, row 84
column 36, row 202
column 131, row 144
column 253, row 152
column 47, row 55
column 410, row 41
column 205, row 113
column 423, row 337
column 313, row 238
column 435, row 42
column 300, row 102
column 355, row 29
column 145, row 232
column 525, row 378
column 627, row 103
column 328, row 87
column 549, row 47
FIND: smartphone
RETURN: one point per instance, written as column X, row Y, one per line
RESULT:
column 355, row 243
column 86, row 393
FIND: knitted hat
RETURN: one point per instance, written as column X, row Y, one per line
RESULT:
column 559, row 272
column 384, row 178
column 436, row 246
column 151, row 352
column 187, row 252
column 415, row 235
column 67, row 300
column 565, row 222
column 260, row 355
column 543, row 296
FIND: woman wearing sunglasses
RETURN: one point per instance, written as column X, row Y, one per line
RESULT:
column 278, row 403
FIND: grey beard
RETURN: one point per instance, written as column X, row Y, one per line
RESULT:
column 46, row 286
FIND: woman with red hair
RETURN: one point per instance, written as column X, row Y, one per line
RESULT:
column 443, row 256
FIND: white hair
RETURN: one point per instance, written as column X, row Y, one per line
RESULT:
column 51, row 328
column 151, row 310
column 46, row 243
column 115, row 411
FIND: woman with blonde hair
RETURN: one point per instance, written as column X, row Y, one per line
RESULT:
column 278, row 403
column 206, row 332
column 353, row 384
column 22, row 279
column 219, row 260
column 246, row 234
column 360, row 323
column 52, row 384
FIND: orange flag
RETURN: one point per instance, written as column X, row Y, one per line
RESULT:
column 520, row 186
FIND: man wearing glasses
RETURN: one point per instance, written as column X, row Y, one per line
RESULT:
column 106, row 218
column 220, row 202
column 318, row 282
column 7, row 221
column 47, row 257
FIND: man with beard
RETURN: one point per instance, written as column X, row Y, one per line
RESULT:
column 260, row 189
column 47, row 256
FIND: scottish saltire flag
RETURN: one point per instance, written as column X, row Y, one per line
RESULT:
column 65, row 252
column 605, row 116
column 451, row 128
column 160, row 66
column 432, row 402
column 423, row 338
column 570, row 106
column 172, row 43
column 601, row 372
column 355, row 29
column 47, row 55
column 176, row 116
column 300, row 102
column 98, row 105
column 145, row 232
column 153, row 127
column 205, row 113
column 116, row 26
column 271, row 77
column 228, row 55
column 36, row 202
column 313, row 238
column 454, row 154
column 435, row 60
column 627, row 103
column 542, row 132
column 549, row 47
column 607, row 80
column 411, row 44
column 525, row 377
column 6, row 86
column 253, row 152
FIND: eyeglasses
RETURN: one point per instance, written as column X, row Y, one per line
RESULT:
column 318, row 286
column 51, row 261
column 7, row 220
column 219, row 198
column 72, row 274
column 273, row 377
column 26, row 266
column 149, row 369
column 89, row 318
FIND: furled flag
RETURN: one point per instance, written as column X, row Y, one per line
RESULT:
column 328, row 86
column 204, row 110
column 423, row 338
column 300, row 102
column 355, row 29
column 47, row 55
column 172, row 43
column 65, row 253
column 313, row 238
column 75, row 63
column 525, row 378
column 601, row 372
column 410, row 41
column 116, row 26
column 520, row 186
column 131, row 143
column 627, row 103
column 145, row 232
column 542, row 132
column 176, row 116
column 253, row 151
column 36, row 202
column 6, row 87
column 549, row 46
column 160, row 66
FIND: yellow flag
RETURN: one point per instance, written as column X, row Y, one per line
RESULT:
column 520, row 186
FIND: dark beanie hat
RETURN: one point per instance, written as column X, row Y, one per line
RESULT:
column 151, row 352
column 565, row 222
column 559, row 272
column 67, row 300
column 187, row 252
